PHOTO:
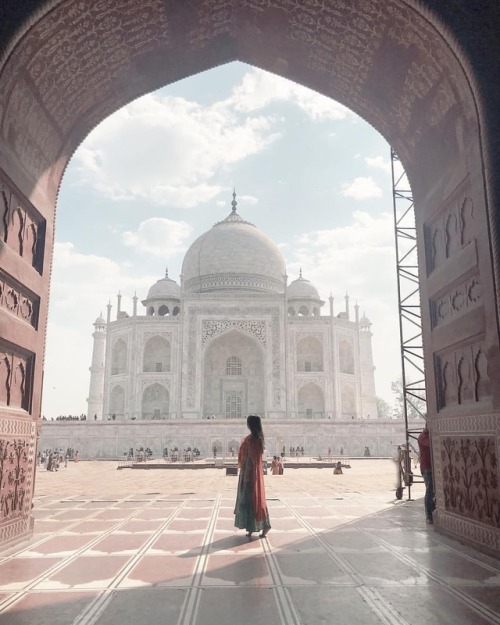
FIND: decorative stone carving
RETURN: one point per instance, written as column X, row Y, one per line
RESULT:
column 236, row 281
column 212, row 328
column 311, row 379
column 469, row 474
column 453, row 228
column 22, row 229
column 15, row 379
column 18, row 302
column 160, row 379
column 165, row 335
column 464, row 297
column 463, row 376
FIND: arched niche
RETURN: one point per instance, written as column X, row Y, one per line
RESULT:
column 346, row 356
column 157, row 354
column 117, row 401
column 311, row 401
column 303, row 311
column 229, row 394
column 119, row 357
column 163, row 311
column 155, row 402
column 309, row 354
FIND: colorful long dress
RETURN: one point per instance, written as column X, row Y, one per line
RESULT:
column 250, row 510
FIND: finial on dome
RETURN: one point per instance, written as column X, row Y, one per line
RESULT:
column 166, row 272
column 300, row 273
column 234, row 203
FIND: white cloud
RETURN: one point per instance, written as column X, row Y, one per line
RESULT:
column 260, row 89
column 167, row 150
column 158, row 237
column 379, row 162
column 362, row 188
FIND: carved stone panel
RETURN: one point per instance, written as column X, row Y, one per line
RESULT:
column 463, row 297
column 18, row 301
column 16, row 377
column 21, row 227
column 452, row 229
column 463, row 376
column 470, row 478
column 17, row 455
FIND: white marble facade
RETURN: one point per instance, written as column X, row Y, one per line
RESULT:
column 232, row 339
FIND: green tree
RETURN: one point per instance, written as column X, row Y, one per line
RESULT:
column 417, row 406
column 384, row 410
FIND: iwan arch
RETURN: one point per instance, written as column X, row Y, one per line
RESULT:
column 427, row 79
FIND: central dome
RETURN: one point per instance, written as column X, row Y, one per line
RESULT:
column 233, row 254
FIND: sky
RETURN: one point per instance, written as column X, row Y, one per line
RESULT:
column 159, row 172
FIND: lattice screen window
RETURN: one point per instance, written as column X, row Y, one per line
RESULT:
column 233, row 366
column 233, row 406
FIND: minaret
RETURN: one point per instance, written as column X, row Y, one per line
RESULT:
column 368, row 394
column 134, row 299
column 347, row 312
column 96, row 387
column 331, row 305
column 118, row 305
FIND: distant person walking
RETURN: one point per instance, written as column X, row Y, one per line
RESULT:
column 424, row 447
column 250, row 510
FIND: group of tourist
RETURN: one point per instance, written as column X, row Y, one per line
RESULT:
column 68, row 417
column 53, row 459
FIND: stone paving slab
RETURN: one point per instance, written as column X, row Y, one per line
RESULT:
column 116, row 547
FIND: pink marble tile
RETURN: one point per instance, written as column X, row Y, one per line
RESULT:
column 188, row 525
column 140, row 526
column 154, row 513
column 174, row 543
column 86, row 572
column 195, row 513
column 19, row 572
column 116, row 543
column 63, row 543
column 161, row 571
column 56, row 608
column 236, row 570
column 112, row 513
column 92, row 526
column 74, row 514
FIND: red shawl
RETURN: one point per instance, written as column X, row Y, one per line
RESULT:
column 252, row 448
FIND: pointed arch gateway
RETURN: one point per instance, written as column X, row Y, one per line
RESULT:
column 407, row 67
column 234, row 376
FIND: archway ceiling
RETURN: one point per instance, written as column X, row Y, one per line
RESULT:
column 78, row 62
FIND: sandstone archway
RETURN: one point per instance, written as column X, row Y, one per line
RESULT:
column 419, row 77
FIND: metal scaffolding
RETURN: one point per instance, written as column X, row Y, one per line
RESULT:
column 410, row 321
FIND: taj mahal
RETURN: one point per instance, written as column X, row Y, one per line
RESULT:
column 234, row 338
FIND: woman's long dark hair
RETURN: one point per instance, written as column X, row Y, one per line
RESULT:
column 255, row 426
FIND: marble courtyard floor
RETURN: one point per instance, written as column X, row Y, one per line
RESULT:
column 124, row 547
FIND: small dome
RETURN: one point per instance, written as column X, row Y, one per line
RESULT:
column 233, row 254
column 302, row 289
column 166, row 288
column 100, row 321
column 364, row 321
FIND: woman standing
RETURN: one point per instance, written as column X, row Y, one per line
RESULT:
column 251, row 509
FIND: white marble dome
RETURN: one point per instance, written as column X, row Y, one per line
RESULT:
column 165, row 288
column 302, row 289
column 233, row 254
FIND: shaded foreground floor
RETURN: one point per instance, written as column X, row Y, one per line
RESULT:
column 119, row 547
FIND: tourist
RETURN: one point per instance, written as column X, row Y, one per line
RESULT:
column 338, row 469
column 275, row 465
column 250, row 510
column 424, row 447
